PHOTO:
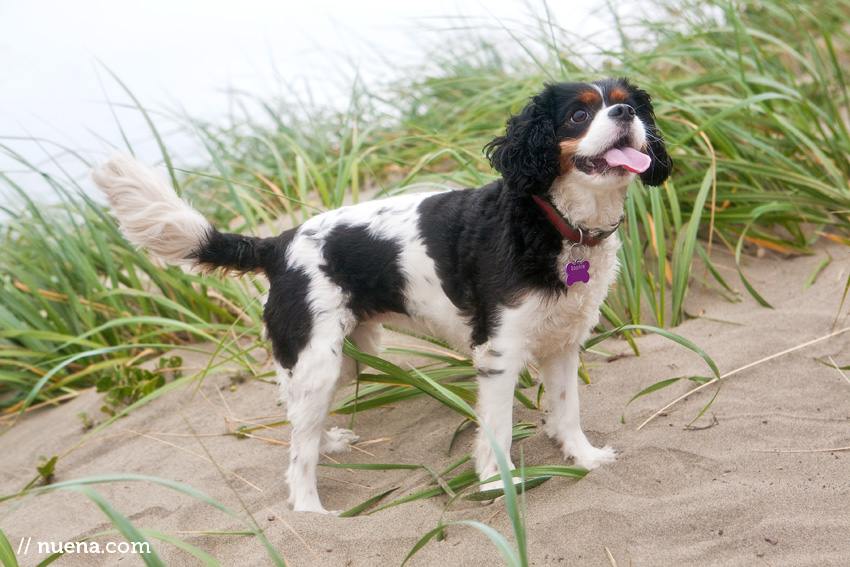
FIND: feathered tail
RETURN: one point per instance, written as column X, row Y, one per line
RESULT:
column 152, row 216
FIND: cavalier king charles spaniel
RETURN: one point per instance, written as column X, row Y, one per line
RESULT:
column 510, row 273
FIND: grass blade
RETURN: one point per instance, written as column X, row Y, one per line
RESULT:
column 7, row 554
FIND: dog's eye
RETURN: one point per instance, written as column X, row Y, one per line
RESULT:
column 579, row 116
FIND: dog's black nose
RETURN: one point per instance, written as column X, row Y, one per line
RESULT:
column 622, row 112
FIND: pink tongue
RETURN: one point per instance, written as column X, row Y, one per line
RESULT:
column 629, row 158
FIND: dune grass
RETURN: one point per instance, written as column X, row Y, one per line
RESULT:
column 752, row 100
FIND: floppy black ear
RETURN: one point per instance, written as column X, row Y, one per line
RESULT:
column 527, row 155
column 661, row 165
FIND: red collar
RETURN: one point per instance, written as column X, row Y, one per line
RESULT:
column 570, row 232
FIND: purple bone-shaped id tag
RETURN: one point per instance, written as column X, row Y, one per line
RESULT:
column 578, row 272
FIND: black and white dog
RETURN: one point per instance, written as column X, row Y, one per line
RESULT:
column 510, row 273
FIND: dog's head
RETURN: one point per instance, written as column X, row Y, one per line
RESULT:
column 602, row 133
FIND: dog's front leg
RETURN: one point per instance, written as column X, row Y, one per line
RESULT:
column 560, row 378
column 497, row 377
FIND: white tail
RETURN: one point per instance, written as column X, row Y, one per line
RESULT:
column 149, row 212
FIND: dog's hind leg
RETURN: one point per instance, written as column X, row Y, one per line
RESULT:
column 307, row 334
column 367, row 338
column 307, row 390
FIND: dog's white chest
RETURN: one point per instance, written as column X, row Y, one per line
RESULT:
column 547, row 325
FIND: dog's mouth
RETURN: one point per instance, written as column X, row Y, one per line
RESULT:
column 620, row 159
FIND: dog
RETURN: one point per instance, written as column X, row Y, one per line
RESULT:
column 510, row 273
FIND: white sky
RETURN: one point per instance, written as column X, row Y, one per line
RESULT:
column 185, row 53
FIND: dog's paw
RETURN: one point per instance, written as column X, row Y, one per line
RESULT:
column 337, row 440
column 591, row 457
column 309, row 502
column 316, row 509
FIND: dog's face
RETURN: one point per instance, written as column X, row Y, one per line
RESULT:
column 600, row 133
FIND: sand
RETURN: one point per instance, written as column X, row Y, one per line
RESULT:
column 764, row 480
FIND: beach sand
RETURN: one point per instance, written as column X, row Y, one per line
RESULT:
column 762, row 479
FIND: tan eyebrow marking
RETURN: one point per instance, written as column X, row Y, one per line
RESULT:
column 617, row 96
column 589, row 98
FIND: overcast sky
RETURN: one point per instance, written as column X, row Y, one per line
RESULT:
column 175, row 54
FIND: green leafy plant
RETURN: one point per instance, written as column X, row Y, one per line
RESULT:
column 46, row 469
column 126, row 385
